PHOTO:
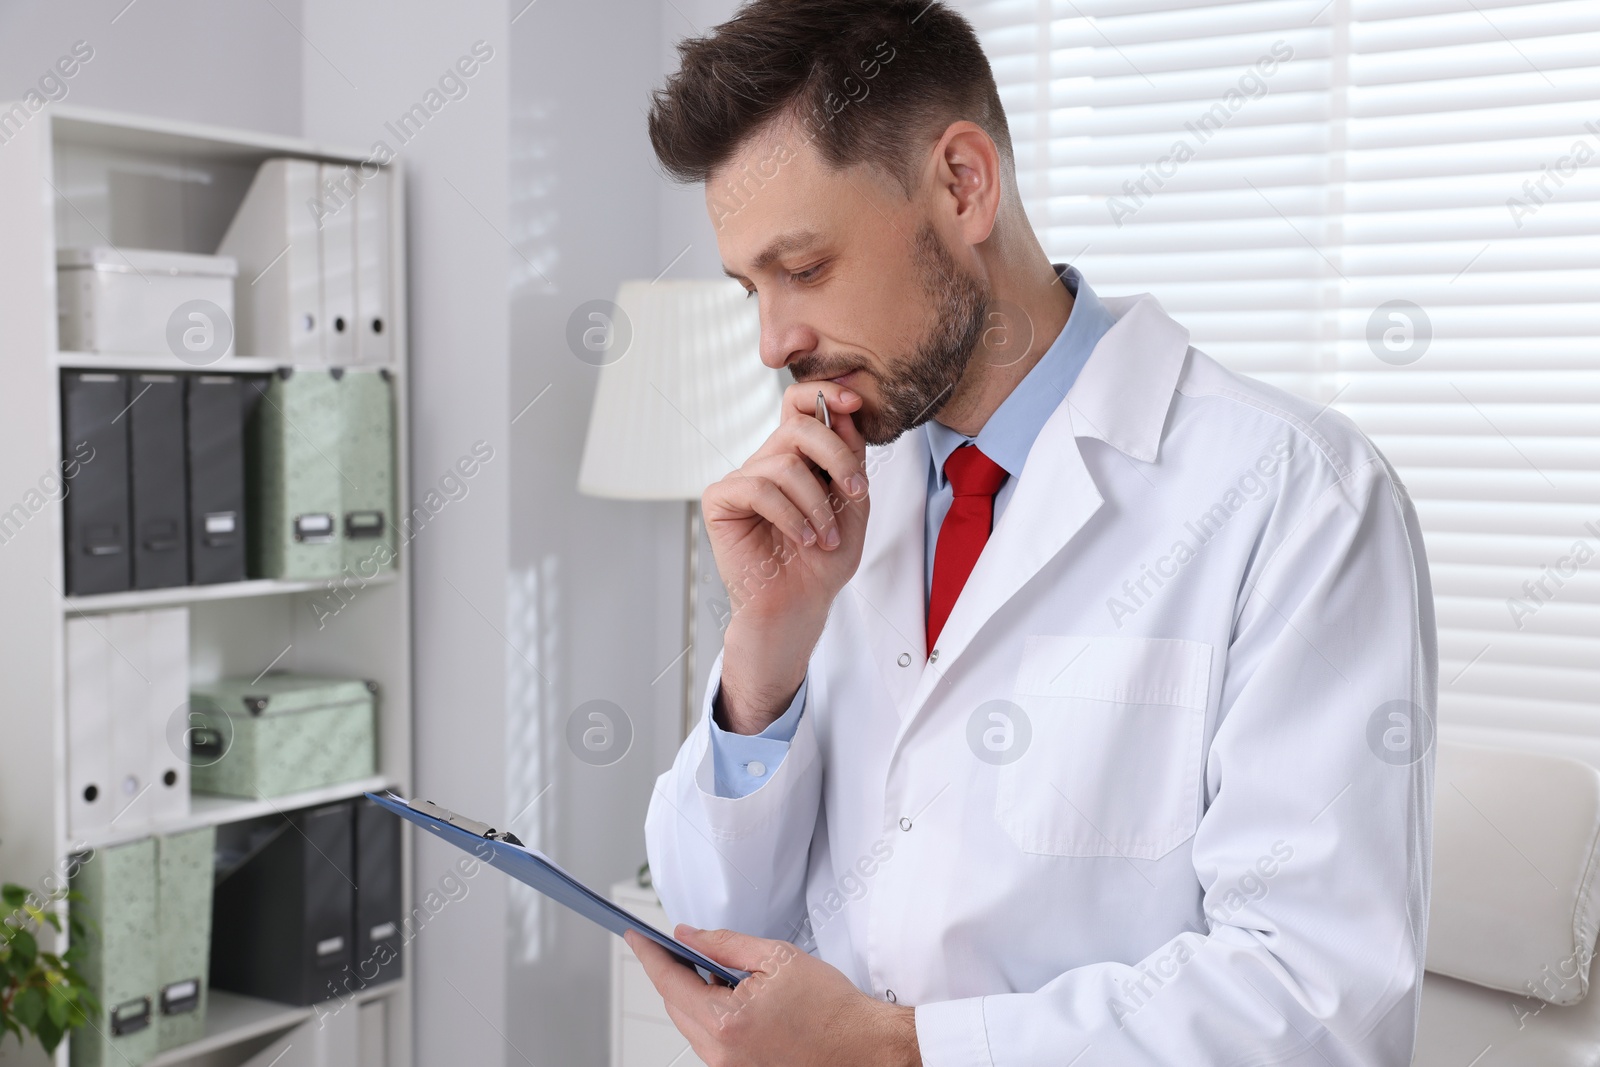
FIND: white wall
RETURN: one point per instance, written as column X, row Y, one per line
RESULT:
column 595, row 584
column 228, row 64
column 682, row 218
column 364, row 63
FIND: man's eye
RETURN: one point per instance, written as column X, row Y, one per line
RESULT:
column 805, row 275
column 748, row 293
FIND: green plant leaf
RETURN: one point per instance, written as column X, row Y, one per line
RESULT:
column 28, row 1007
column 13, row 894
column 49, row 1034
column 56, row 1005
column 24, row 949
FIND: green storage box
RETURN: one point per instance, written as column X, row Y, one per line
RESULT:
column 281, row 733
column 183, row 918
column 366, row 451
column 119, row 912
column 294, row 481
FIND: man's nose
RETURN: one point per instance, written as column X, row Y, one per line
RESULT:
column 783, row 339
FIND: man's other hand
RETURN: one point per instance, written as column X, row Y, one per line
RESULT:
column 793, row 1010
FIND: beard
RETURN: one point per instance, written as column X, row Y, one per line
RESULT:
column 915, row 387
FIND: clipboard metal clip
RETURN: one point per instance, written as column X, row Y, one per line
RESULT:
column 461, row 822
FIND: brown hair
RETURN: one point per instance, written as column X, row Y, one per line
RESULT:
column 868, row 81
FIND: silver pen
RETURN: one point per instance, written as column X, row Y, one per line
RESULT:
column 826, row 418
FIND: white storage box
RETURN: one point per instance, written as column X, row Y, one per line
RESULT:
column 133, row 300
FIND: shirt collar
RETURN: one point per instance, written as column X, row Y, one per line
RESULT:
column 1009, row 434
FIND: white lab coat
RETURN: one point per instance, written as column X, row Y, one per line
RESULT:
column 1210, row 602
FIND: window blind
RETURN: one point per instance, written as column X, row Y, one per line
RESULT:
column 1390, row 206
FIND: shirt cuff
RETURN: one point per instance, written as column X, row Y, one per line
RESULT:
column 744, row 762
column 951, row 1033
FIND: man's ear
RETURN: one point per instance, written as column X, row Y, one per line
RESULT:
column 967, row 180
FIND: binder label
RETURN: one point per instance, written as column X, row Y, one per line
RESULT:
column 130, row 1017
column 314, row 529
column 180, row 997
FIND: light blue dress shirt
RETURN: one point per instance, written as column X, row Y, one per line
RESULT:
column 743, row 762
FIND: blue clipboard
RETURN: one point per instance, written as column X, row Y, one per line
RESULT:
column 504, row 852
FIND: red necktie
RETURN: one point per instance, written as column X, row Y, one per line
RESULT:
column 974, row 480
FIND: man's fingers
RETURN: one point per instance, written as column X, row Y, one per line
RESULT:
column 800, row 402
column 822, row 447
column 693, row 1031
column 801, row 399
column 828, row 450
column 757, row 495
column 791, row 475
column 694, row 1006
column 758, row 955
column 677, row 983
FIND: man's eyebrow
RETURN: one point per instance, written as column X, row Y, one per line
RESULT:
column 781, row 246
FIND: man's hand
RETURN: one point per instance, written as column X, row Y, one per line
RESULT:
column 785, row 544
column 793, row 1010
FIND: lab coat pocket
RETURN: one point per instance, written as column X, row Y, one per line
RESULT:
column 1112, row 767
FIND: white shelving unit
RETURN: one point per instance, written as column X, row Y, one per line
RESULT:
column 212, row 810
column 158, row 363
column 231, row 1021
column 642, row 1034
column 65, row 180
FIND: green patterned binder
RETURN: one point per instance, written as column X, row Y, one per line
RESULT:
column 280, row 733
column 367, row 454
column 183, row 912
column 119, row 910
column 294, row 478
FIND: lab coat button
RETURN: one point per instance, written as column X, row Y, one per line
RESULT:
column 933, row 657
column 904, row 660
column 756, row 768
column 888, row 994
column 905, row 824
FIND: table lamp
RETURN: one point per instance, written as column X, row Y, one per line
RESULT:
column 682, row 400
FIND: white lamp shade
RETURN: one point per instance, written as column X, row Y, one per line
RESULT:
column 687, row 401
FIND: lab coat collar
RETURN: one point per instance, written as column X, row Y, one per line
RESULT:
column 1121, row 397
column 1123, row 393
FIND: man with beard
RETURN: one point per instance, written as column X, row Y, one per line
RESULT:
column 1106, row 737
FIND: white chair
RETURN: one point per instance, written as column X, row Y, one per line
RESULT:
column 1515, row 911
